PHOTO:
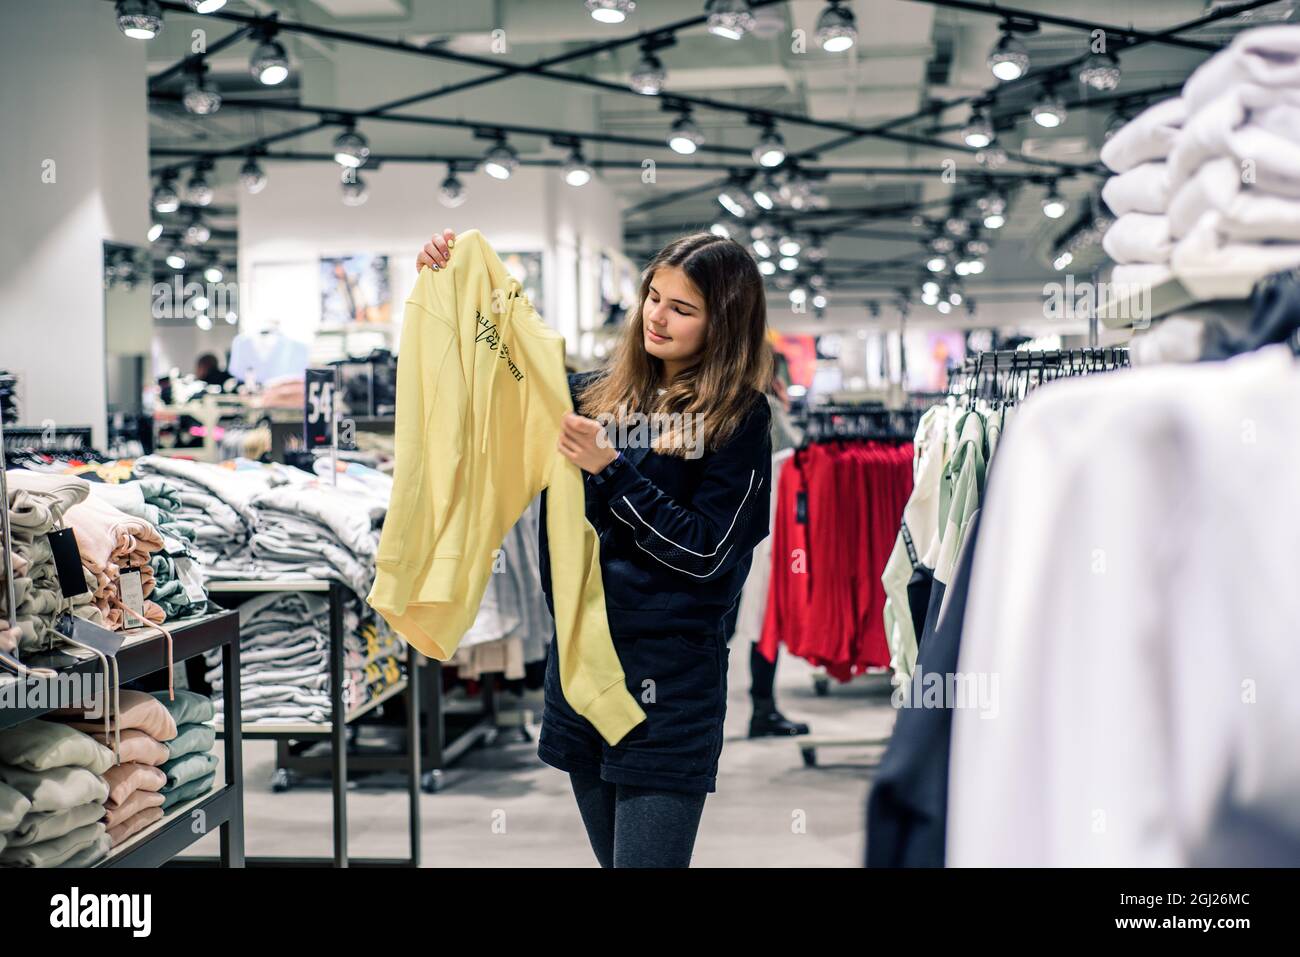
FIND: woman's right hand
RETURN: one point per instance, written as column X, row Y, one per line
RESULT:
column 436, row 251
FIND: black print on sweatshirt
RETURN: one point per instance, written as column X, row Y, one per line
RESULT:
column 487, row 332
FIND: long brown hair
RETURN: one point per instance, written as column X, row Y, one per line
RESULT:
column 735, row 359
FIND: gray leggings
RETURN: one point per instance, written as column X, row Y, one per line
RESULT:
column 637, row 827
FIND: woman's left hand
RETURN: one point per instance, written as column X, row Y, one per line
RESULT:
column 584, row 442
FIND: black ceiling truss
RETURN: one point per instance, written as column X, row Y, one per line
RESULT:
column 547, row 73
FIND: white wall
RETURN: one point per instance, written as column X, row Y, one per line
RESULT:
column 299, row 217
column 72, row 91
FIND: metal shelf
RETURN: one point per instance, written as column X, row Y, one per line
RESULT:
column 145, row 652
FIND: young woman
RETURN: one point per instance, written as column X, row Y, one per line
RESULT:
column 679, row 504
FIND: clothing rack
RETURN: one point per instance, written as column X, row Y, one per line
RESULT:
column 1004, row 376
column 870, row 421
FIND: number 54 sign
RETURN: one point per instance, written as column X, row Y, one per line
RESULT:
column 318, row 419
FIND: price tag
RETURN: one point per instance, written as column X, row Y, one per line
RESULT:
column 67, row 562
column 318, row 414
column 88, row 633
column 188, row 576
column 132, row 595
column 173, row 546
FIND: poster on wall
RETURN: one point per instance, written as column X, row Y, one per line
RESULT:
column 354, row 289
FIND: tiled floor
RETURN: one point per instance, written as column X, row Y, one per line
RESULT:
column 503, row 808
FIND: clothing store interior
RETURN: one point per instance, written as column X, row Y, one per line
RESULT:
column 984, row 554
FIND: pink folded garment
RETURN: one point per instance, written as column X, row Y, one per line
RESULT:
column 137, row 747
column 9, row 637
column 108, row 536
column 138, row 710
column 134, row 824
column 125, row 779
column 133, row 805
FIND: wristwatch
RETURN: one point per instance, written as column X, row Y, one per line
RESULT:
column 609, row 470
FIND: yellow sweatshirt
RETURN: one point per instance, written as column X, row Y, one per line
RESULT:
column 481, row 392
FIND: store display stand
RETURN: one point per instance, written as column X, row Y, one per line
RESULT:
column 336, row 730
column 144, row 653
column 483, row 732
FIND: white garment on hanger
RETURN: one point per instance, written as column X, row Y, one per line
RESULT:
column 1148, row 136
column 1205, row 250
column 1138, row 238
column 1143, row 189
column 1267, row 56
column 266, row 356
column 1140, row 274
column 1133, row 591
column 1246, row 214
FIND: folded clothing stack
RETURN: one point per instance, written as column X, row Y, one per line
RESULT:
column 190, row 765
column 134, row 798
column 37, row 504
column 53, row 789
column 1139, row 195
column 213, row 500
column 113, row 543
column 310, row 527
column 177, row 573
column 284, row 658
column 1233, row 164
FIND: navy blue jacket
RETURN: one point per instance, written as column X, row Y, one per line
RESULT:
column 676, row 534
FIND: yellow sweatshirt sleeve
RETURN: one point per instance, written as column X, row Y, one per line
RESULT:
column 433, row 402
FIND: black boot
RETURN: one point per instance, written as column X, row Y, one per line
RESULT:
column 767, row 722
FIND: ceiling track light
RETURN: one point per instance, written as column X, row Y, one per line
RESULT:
column 978, row 132
column 452, row 191
column 684, row 137
column 1049, row 112
column 200, row 96
column 649, row 75
column 197, row 190
column 766, row 193
column 205, row 6
column 351, row 149
column 355, row 192
column 720, row 229
column 269, row 62
column 577, row 172
column 1100, row 72
column 1054, row 204
column 769, row 151
column 139, row 19
column 252, row 176
column 165, row 199
column 500, row 160
column 729, row 19
column 735, row 198
column 837, row 30
column 609, row 11
column 1009, row 59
